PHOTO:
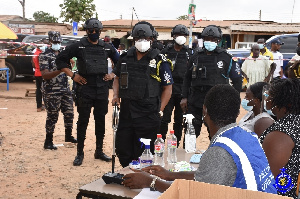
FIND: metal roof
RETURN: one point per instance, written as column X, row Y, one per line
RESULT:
column 281, row 28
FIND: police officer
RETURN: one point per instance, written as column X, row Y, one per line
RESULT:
column 179, row 54
column 92, row 84
column 207, row 67
column 144, row 83
column 57, row 93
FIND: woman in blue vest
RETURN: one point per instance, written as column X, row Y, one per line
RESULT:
column 234, row 157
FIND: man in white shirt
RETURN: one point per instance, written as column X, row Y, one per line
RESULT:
column 278, row 58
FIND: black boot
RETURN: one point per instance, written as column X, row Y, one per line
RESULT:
column 99, row 152
column 69, row 137
column 78, row 159
column 49, row 142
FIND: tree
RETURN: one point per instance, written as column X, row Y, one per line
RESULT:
column 22, row 2
column 183, row 17
column 41, row 16
column 77, row 10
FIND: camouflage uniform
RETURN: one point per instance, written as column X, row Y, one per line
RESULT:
column 57, row 94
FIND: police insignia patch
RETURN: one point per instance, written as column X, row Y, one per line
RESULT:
column 283, row 182
column 152, row 63
column 220, row 64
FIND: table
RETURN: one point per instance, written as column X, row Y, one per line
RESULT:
column 98, row 188
column 7, row 77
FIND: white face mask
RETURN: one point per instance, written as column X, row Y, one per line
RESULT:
column 180, row 40
column 142, row 45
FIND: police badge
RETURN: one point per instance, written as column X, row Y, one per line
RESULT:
column 152, row 63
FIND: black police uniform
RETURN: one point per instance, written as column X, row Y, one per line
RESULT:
column 140, row 101
column 206, row 71
column 180, row 62
column 92, row 65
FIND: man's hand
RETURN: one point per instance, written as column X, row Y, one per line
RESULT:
column 108, row 77
column 137, row 180
column 267, row 79
column 183, row 105
column 80, row 80
column 158, row 171
column 115, row 100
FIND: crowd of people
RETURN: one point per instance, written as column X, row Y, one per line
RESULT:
column 151, row 80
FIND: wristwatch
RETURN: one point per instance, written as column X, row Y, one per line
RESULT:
column 152, row 185
column 161, row 113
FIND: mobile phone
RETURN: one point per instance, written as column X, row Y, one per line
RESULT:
column 124, row 80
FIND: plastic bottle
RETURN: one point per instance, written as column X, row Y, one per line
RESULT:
column 159, row 148
column 146, row 158
column 190, row 136
column 172, row 146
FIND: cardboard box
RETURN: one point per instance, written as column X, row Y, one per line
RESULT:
column 2, row 63
column 187, row 189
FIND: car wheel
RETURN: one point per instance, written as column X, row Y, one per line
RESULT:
column 12, row 73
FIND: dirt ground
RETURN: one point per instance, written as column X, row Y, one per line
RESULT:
column 29, row 171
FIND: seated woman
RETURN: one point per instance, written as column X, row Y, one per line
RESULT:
column 255, row 120
column 281, row 141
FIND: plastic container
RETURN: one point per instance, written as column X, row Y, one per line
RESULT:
column 159, row 148
column 146, row 158
column 190, row 136
column 172, row 146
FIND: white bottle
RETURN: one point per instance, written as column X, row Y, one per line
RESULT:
column 190, row 136
column 172, row 146
column 159, row 148
column 146, row 158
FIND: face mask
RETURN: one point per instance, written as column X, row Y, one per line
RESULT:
column 261, row 46
column 268, row 111
column 142, row 45
column 180, row 40
column 210, row 46
column 94, row 36
column 55, row 47
column 43, row 48
column 245, row 106
column 298, row 50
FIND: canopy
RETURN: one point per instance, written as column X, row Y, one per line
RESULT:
column 6, row 33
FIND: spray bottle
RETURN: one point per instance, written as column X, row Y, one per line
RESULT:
column 190, row 136
column 146, row 158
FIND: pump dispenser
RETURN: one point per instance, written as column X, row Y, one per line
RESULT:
column 146, row 158
column 190, row 136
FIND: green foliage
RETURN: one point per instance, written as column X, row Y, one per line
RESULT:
column 41, row 16
column 77, row 10
column 183, row 17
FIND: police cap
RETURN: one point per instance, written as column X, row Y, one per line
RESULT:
column 92, row 23
column 54, row 36
column 143, row 29
column 212, row 31
column 179, row 29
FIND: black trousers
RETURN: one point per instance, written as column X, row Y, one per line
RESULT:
column 84, row 110
column 38, row 95
column 128, row 146
column 178, row 118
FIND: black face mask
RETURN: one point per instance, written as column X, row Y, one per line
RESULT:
column 298, row 50
column 94, row 36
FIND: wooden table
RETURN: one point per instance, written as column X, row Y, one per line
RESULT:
column 98, row 188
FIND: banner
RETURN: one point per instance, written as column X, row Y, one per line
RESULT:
column 192, row 8
column 75, row 26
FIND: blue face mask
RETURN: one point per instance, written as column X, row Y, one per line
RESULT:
column 55, row 47
column 210, row 46
column 261, row 46
column 43, row 48
column 245, row 106
column 268, row 111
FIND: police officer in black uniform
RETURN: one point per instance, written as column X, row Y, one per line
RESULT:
column 179, row 54
column 207, row 67
column 144, row 83
column 92, row 83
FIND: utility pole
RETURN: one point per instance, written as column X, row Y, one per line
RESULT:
column 131, row 18
column 259, row 15
column 191, row 29
column 22, row 2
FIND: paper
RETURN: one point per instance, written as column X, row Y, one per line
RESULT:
column 146, row 193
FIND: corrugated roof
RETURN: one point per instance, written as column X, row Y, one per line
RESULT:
column 282, row 28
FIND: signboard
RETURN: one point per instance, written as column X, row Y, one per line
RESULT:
column 27, row 29
column 192, row 8
column 75, row 26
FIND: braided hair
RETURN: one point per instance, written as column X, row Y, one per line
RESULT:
column 286, row 93
column 257, row 88
column 223, row 104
